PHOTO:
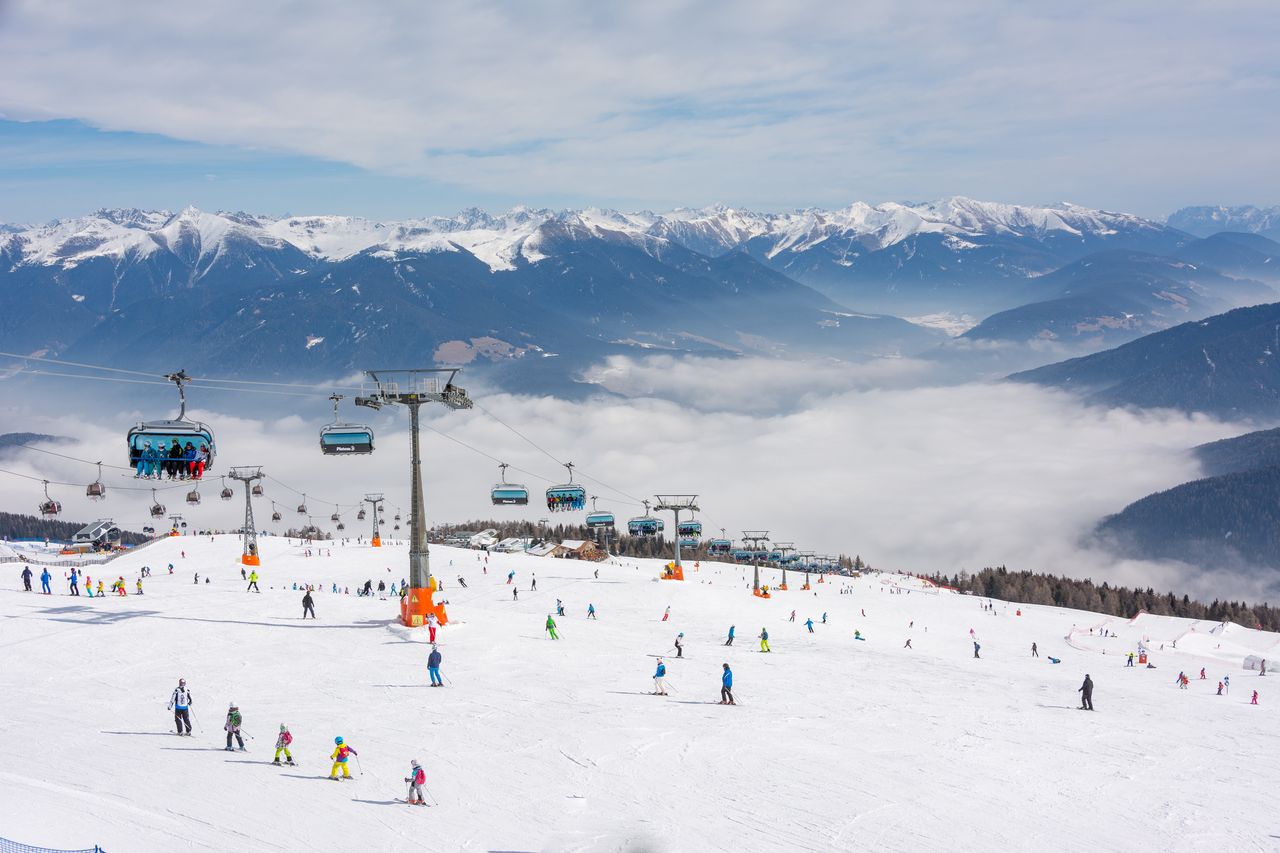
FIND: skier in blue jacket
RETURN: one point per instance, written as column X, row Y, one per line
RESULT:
column 729, row 642
column 726, row 687
column 809, row 624
column 44, row 582
column 658, row 688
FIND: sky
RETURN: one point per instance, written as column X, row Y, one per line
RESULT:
column 402, row 109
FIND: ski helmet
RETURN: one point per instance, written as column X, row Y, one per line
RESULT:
column 283, row 727
column 338, row 741
column 414, row 762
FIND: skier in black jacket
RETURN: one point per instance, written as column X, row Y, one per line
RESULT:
column 1086, row 694
column 308, row 606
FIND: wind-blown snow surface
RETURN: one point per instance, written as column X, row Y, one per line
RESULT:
column 541, row 745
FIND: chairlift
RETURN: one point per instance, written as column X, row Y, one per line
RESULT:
column 360, row 516
column 148, row 530
column 719, row 547
column 335, row 516
column 157, row 508
column 508, row 494
column 397, row 527
column 193, row 496
column 96, row 490
column 256, row 491
column 690, row 533
column 302, row 507
column 645, row 525
column 397, row 517
column 226, row 494
column 341, row 526
column 275, row 513
column 49, row 507
column 162, row 434
column 339, row 439
column 599, row 518
column 567, row 497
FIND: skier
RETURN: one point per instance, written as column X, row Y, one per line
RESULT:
column 559, row 607
column 253, row 582
column 100, row 593
column 793, row 616
column 551, row 627
column 1202, row 672
column 462, row 583
column 764, row 639
column 591, row 611
column 433, row 666
column 658, row 688
column 180, row 705
column 726, row 687
column 1219, row 688
column 1254, row 701
column 75, row 582
column 515, row 593
column 282, row 745
column 1086, row 694
column 26, row 578
column 416, row 779
column 44, row 582
column 233, row 727
column 533, row 584
column 511, row 575
column 138, row 586
column 824, row 617
column 976, row 648
column 432, row 624
column 680, row 644
column 729, row 642
column 666, row 614
column 341, row 753
column 308, row 605
column 808, row 623
column 1130, row 661
column 857, row 635
column 1035, row 653
column 908, row 644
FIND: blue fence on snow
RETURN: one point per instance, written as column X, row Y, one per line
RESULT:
column 7, row 846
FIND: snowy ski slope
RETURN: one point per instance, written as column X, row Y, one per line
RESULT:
column 540, row 745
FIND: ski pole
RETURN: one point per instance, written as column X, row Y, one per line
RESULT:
column 358, row 764
column 434, row 801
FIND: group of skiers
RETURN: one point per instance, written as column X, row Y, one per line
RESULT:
column 181, row 701
column 176, row 462
column 118, row 585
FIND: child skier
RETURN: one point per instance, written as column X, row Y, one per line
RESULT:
column 282, row 745
column 1254, row 701
column 233, row 727
column 551, row 627
column 341, row 753
column 764, row 639
column 416, row 780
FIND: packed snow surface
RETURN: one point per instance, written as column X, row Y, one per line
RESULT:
column 838, row 744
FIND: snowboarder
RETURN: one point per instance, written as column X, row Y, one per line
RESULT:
column 808, row 623
column 591, row 611
column 658, row 688
column 1086, row 694
column 433, row 666
column 180, row 705
column 726, row 687
column 233, row 726
column 680, row 644
column 551, row 627
column 26, row 578
column 253, row 582
column 764, row 639
column 976, row 649
column 282, row 745
column 308, row 605
column 416, row 779
column 341, row 752
column 729, row 642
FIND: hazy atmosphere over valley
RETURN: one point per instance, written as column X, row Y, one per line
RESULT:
column 920, row 289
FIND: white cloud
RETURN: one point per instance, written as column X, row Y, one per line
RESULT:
column 919, row 478
column 673, row 102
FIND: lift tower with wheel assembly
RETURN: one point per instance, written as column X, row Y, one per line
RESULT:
column 375, row 502
column 411, row 388
column 248, row 474
column 753, row 539
column 784, row 549
column 674, row 571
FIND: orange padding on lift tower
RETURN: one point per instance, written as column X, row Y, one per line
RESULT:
column 415, row 606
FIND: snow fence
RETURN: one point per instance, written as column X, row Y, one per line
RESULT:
column 7, row 846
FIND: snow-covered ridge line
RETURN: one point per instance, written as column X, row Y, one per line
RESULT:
column 499, row 240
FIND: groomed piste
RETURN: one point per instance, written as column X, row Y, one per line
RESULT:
column 540, row 744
